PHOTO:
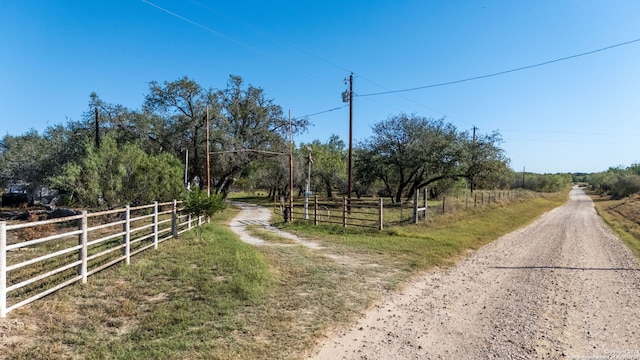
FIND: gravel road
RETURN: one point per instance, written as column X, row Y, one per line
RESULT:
column 563, row 287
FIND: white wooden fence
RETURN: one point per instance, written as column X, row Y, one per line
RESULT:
column 70, row 249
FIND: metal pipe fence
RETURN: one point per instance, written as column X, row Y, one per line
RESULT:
column 40, row 257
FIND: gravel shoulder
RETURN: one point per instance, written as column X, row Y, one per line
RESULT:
column 563, row 287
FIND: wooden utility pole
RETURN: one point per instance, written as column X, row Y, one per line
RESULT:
column 97, row 128
column 350, row 177
column 290, row 170
column 474, row 157
column 208, row 157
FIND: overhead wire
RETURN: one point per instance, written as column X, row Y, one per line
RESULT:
column 203, row 27
column 565, row 141
column 324, row 111
column 226, row 37
column 502, row 72
column 274, row 38
column 387, row 91
column 208, row 29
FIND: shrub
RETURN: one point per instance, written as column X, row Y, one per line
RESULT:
column 197, row 203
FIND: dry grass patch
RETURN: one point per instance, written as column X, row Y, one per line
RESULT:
column 623, row 216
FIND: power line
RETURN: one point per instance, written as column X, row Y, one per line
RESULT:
column 565, row 141
column 199, row 25
column 503, row 72
column 324, row 111
column 226, row 37
column 274, row 38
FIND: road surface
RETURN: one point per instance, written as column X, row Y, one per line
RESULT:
column 563, row 287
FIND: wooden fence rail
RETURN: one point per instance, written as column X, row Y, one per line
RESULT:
column 380, row 213
column 70, row 249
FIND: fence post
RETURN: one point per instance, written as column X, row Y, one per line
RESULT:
column 3, row 269
column 344, row 211
column 315, row 210
column 426, row 206
column 475, row 199
column 155, row 225
column 443, row 200
column 482, row 198
column 426, row 203
column 415, row 207
column 127, row 235
column 174, row 219
column 380, row 214
column 82, row 252
column 466, row 201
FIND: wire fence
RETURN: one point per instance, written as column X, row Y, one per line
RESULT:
column 380, row 213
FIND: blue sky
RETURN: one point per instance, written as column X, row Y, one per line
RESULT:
column 576, row 115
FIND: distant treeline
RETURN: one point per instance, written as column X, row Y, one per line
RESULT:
column 618, row 182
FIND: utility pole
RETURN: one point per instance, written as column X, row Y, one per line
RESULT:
column 290, row 170
column 474, row 157
column 97, row 129
column 348, row 97
column 307, row 192
column 208, row 158
column 186, row 169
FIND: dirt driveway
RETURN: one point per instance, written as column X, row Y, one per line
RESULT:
column 563, row 287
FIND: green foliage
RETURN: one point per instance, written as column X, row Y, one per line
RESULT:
column 29, row 157
column 618, row 182
column 408, row 152
column 243, row 124
column 329, row 168
column 541, row 182
column 114, row 175
column 197, row 203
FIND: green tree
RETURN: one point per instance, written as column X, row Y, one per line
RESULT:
column 484, row 162
column 408, row 152
column 182, row 104
column 23, row 158
column 113, row 175
column 329, row 165
column 247, row 127
column 244, row 125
